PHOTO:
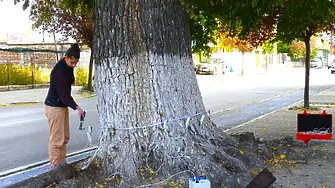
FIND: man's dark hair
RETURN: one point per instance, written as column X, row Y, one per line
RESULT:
column 73, row 51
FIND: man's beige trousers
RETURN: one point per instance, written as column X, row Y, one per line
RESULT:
column 58, row 118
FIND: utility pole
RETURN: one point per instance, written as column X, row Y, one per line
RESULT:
column 54, row 35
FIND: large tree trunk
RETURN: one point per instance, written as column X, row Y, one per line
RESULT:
column 144, row 75
column 242, row 71
column 307, row 69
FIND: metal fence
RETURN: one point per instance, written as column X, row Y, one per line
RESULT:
column 23, row 66
column 30, row 68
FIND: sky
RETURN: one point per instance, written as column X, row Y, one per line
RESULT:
column 15, row 25
column 13, row 18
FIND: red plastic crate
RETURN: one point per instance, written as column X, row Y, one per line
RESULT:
column 307, row 137
column 308, row 123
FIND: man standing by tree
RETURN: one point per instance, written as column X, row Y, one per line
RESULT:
column 56, row 105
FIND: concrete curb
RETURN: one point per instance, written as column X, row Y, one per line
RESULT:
column 22, row 87
column 21, row 97
column 15, row 176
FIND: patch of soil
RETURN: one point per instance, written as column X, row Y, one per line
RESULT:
column 309, row 109
column 296, row 165
column 322, row 104
column 20, row 104
column 86, row 94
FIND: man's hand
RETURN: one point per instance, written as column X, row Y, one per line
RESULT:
column 80, row 112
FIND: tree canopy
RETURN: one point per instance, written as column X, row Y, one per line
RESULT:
column 64, row 17
column 303, row 19
column 244, row 19
column 248, row 20
column 228, row 43
column 258, row 20
column 298, row 49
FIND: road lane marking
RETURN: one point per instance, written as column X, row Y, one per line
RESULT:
column 22, row 121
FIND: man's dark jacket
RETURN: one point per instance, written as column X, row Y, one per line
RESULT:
column 61, row 79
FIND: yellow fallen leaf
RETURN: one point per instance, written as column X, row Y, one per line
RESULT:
column 253, row 172
column 241, row 152
column 282, row 156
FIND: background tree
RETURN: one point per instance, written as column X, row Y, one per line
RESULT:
column 263, row 18
column 317, row 16
column 295, row 49
column 283, row 47
column 298, row 49
column 268, row 47
column 67, row 18
column 226, row 43
column 244, row 46
column 229, row 42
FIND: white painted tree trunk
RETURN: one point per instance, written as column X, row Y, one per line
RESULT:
column 144, row 75
column 243, row 55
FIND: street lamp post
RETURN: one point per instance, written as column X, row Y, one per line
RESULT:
column 331, row 44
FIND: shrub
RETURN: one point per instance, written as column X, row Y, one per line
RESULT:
column 81, row 76
column 14, row 74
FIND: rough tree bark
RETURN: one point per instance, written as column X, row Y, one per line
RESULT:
column 144, row 75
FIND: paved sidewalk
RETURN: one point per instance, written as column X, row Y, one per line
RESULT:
column 31, row 95
column 318, row 171
column 283, row 122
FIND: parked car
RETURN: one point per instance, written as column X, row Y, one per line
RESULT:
column 212, row 66
column 316, row 63
column 332, row 68
column 329, row 63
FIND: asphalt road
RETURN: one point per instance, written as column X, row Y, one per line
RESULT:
column 234, row 99
column 24, row 133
